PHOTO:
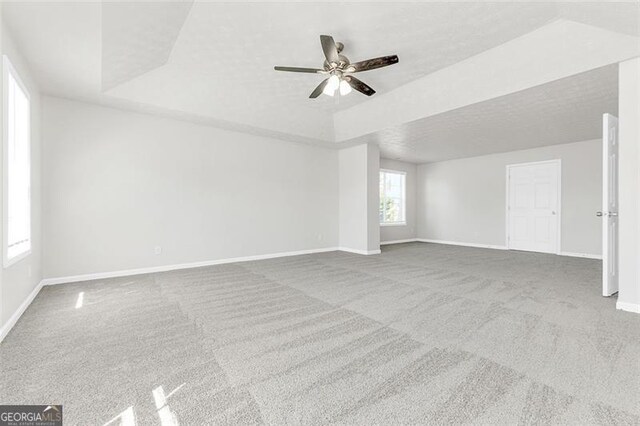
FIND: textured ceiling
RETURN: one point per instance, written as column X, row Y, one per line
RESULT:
column 138, row 37
column 566, row 110
column 213, row 62
column 251, row 38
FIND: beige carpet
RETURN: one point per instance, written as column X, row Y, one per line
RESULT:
column 421, row 334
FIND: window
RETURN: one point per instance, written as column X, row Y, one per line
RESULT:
column 392, row 197
column 17, row 177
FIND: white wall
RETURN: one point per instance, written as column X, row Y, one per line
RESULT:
column 19, row 280
column 353, row 197
column 118, row 183
column 464, row 200
column 359, row 168
column 408, row 231
column 373, row 199
column 629, row 214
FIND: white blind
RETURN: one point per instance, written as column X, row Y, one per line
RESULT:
column 18, row 167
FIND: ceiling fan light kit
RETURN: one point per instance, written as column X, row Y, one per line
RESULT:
column 332, row 85
column 345, row 88
column 340, row 69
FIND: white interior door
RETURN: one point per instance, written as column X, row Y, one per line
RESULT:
column 533, row 213
column 609, row 211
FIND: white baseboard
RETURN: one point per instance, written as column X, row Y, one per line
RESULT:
column 489, row 246
column 629, row 307
column 409, row 240
column 456, row 243
column 174, row 267
column 585, row 255
column 358, row 251
column 18, row 313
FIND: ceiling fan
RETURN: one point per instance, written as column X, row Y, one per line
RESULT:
column 339, row 69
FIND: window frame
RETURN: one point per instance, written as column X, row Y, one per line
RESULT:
column 9, row 70
column 404, row 197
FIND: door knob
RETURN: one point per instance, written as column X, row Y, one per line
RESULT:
column 599, row 214
column 553, row 212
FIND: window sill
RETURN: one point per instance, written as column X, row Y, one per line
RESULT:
column 394, row 224
column 15, row 259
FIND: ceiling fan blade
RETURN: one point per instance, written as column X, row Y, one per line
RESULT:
column 359, row 85
column 371, row 64
column 330, row 49
column 298, row 69
column 318, row 90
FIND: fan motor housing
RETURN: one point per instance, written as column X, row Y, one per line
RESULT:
column 344, row 61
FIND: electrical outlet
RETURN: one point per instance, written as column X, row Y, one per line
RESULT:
column 320, row 237
column 157, row 250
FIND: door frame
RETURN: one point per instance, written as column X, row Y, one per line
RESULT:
column 558, row 163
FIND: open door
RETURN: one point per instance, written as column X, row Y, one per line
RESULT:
column 609, row 211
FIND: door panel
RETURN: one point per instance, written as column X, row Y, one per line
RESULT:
column 542, row 200
column 522, row 196
column 533, row 210
column 520, row 226
column 542, row 229
column 610, row 205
